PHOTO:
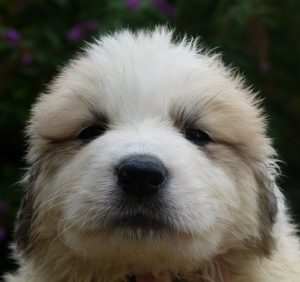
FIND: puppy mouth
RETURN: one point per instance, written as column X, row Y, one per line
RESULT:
column 140, row 221
column 162, row 277
column 143, row 218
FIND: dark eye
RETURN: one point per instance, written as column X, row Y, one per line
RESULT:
column 92, row 132
column 197, row 136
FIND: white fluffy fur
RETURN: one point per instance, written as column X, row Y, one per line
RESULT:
column 140, row 81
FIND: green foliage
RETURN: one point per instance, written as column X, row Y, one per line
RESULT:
column 260, row 37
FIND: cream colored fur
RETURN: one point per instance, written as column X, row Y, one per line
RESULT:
column 229, row 220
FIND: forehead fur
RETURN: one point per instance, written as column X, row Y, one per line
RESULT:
column 130, row 77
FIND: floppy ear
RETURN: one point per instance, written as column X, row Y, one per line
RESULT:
column 23, row 225
column 266, row 175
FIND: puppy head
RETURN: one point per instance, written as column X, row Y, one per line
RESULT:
column 147, row 147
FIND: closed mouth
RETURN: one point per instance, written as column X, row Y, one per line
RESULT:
column 140, row 221
column 142, row 217
column 133, row 278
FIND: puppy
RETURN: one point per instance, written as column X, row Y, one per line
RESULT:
column 149, row 161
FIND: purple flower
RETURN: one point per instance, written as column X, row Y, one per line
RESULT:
column 75, row 33
column 91, row 25
column 12, row 36
column 79, row 31
column 2, row 233
column 132, row 4
column 26, row 59
column 165, row 6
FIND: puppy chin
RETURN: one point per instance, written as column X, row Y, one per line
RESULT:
column 179, row 253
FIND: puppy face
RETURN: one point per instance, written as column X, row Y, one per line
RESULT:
column 145, row 148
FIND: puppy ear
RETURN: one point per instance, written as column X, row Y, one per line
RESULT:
column 268, row 176
column 268, row 208
column 23, row 225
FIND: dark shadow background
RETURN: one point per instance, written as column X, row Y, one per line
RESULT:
column 261, row 38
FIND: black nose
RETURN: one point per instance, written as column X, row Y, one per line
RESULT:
column 141, row 175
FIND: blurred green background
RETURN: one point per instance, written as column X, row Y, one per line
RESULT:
column 261, row 38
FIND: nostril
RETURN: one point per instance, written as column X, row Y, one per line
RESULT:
column 126, row 176
column 141, row 175
column 155, row 178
